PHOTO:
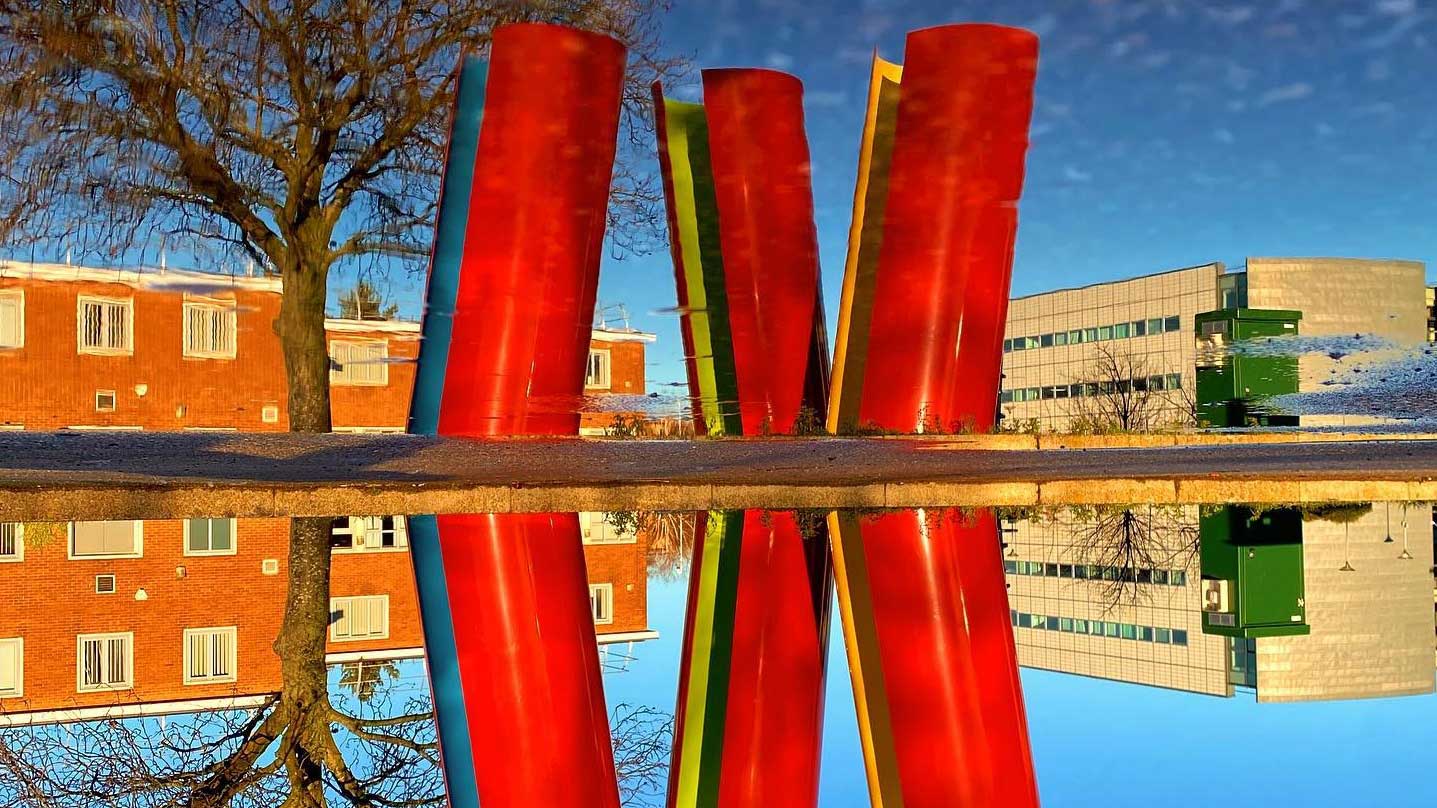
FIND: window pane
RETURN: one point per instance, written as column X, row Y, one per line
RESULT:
column 1180, row 637
column 1155, row 325
column 1105, row 332
column 1060, row 338
column 1140, row 328
column 1046, row 341
column 221, row 534
column 199, row 535
column 1090, row 335
column 1120, row 331
column 1172, row 324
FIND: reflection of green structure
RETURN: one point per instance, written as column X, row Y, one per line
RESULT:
column 1228, row 384
column 1252, row 573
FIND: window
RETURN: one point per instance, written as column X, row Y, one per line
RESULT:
column 12, row 318
column 209, row 537
column 1120, row 331
column 359, row 364
column 1140, row 328
column 598, row 375
column 601, row 602
column 361, row 533
column 209, row 330
column 1010, row 567
column 1007, row 346
column 594, row 528
column 1178, row 578
column 106, row 539
column 1164, row 636
column 1075, row 336
column 105, row 662
column 1155, row 325
column 1060, row 338
column 1090, row 335
column 12, row 668
column 1175, row 381
column 1180, row 637
column 1172, row 324
column 1065, row 624
column 210, row 655
column 12, row 541
column 364, row 617
column 1046, row 341
column 105, row 326
column 104, row 401
column 1105, row 332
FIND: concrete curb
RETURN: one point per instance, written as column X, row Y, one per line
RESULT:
column 180, row 501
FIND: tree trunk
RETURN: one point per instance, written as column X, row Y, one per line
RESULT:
column 304, row 697
column 300, row 327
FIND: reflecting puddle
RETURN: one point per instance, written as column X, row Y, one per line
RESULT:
column 149, row 660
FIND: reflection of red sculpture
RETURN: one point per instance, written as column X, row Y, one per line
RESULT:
column 924, row 601
column 931, row 646
column 525, row 641
column 516, row 585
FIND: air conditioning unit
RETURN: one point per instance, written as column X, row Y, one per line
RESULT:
column 1215, row 596
column 105, row 584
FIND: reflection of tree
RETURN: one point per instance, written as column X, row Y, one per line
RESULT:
column 373, row 743
column 643, row 739
column 296, row 750
column 667, row 535
column 364, row 678
column 1121, row 546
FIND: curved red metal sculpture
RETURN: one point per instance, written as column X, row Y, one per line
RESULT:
column 523, row 633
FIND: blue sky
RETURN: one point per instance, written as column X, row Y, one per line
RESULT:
column 1165, row 133
column 1113, row 744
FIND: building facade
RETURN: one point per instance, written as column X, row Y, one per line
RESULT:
column 1097, row 594
column 169, row 616
column 1123, row 353
column 88, row 348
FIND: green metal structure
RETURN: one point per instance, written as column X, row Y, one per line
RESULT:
column 1231, row 387
column 1252, row 573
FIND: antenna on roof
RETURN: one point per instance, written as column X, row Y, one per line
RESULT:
column 67, row 257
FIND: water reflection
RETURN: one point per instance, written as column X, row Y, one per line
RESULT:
column 255, row 661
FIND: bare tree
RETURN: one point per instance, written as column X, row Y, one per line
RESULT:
column 303, row 134
column 1122, row 547
column 1121, row 395
column 643, row 739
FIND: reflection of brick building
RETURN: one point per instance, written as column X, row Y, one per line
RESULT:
column 172, row 616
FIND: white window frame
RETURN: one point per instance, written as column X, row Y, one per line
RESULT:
column 594, row 529
column 362, row 527
column 606, row 596
column 606, row 379
column 231, row 634
column 18, row 643
column 139, row 545
column 129, row 681
column 17, row 295
column 341, row 603
column 80, row 347
column 337, row 376
column 18, row 535
column 228, row 310
column 234, row 538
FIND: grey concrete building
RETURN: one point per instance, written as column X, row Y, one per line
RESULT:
column 1075, row 610
column 1067, row 351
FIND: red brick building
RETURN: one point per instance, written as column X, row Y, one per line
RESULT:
column 119, row 349
column 167, row 616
